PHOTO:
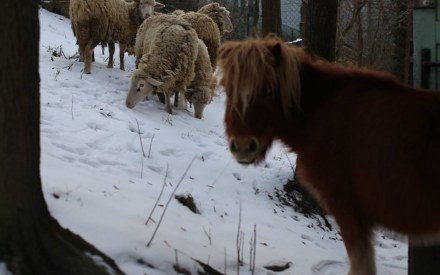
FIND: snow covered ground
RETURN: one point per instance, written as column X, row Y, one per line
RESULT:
column 98, row 183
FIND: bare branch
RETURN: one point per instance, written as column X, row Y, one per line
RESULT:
column 140, row 138
column 169, row 200
column 160, row 195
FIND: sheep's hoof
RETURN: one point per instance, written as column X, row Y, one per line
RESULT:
column 161, row 97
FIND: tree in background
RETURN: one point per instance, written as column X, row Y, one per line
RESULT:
column 320, row 28
column 31, row 241
column 371, row 33
column 399, row 38
column 271, row 17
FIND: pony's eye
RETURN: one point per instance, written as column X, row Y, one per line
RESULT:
column 141, row 85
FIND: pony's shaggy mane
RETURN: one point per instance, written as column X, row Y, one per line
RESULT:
column 276, row 65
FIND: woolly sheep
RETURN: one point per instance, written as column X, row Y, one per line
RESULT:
column 210, row 22
column 107, row 21
column 201, row 89
column 220, row 15
column 168, row 46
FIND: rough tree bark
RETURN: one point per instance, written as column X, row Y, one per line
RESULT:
column 31, row 241
column 271, row 17
column 320, row 30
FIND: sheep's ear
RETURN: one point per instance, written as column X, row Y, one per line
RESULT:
column 159, row 5
column 154, row 82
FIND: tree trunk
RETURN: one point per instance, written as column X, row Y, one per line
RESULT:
column 320, row 30
column 256, row 17
column 271, row 16
column 31, row 241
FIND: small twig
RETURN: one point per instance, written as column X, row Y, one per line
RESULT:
column 140, row 138
column 169, row 200
column 254, row 256
column 222, row 172
column 226, row 263
column 57, row 73
column 160, row 195
column 142, row 167
column 71, row 107
column 149, row 150
column 291, row 165
column 208, row 234
column 238, row 240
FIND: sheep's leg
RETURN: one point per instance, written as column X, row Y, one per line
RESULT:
column 176, row 99
column 111, row 51
column 168, row 104
column 88, row 51
column 81, row 49
column 182, row 101
column 121, row 56
column 161, row 97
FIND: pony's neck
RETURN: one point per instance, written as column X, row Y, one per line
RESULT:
column 321, row 81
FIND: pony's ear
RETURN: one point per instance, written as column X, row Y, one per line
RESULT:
column 276, row 50
column 224, row 52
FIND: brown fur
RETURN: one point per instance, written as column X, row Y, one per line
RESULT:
column 367, row 145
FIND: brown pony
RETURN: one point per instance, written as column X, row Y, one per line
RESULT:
column 367, row 146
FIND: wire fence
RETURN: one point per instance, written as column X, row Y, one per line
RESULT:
column 245, row 15
column 365, row 27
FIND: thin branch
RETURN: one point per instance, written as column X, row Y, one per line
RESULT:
column 169, row 200
column 160, row 195
column 226, row 263
column 140, row 138
column 255, row 249
column 142, row 167
column 208, row 235
column 71, row 107
column 149, row 150
column 238, row 241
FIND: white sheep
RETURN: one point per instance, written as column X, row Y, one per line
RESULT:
column 200, row 91
column 166, row 50
column 210, row 22
column 107, row 21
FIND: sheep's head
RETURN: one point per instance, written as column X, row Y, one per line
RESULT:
column 146, row 7
column 142, row 85
column 220, row 15
column 225, row 18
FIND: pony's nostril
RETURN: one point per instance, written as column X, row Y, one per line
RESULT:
column 253, row 146
column 233, row 146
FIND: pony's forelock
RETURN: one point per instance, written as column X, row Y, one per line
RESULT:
column 249, row 67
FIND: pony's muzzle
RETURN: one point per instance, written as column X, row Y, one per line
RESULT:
column 245, row 150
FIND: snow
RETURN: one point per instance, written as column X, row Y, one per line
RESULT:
column 98, row 183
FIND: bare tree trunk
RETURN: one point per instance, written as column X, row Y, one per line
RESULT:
column 271, row 13
column 256, row 17
column 31, row 241
column 320, row 31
